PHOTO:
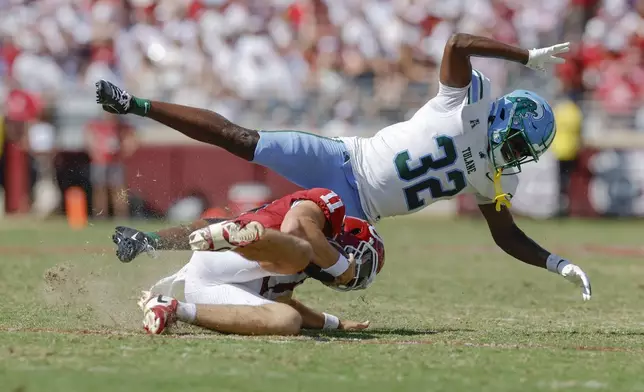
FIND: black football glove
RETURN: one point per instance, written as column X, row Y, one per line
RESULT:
column 131, row 243
column 115, row 100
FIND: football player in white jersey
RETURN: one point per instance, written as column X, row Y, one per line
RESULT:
column 461, row 141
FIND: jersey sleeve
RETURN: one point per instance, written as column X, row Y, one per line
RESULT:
column 451, row 98
column 332, row 207
column 479, row 89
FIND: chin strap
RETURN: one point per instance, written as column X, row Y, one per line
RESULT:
column 501, row 199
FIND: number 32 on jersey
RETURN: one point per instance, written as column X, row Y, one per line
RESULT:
column 419, row 175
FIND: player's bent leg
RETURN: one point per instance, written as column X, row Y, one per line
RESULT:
column 223, row 307
column 161, row 313
column 305, row 159
column 310, row 161
column 238, row 308
column 207, row 269
column 269, row 319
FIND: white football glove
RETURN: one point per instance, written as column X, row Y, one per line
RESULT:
column 571, row 272
column 539, row 58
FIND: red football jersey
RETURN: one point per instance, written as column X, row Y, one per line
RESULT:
column 272, row 215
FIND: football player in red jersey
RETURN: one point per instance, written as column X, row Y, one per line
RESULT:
column 233, row 292
column 285, row 236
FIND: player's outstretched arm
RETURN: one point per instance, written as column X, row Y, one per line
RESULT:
column 199, row 124
column 456, row 69
column 313, row 319
column 516, row 243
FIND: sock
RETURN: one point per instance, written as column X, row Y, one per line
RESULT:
column 186, row 312
column 140, row 106
column 155, row 239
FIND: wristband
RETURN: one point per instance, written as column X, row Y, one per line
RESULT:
column 555, row 263
column 339, row 267
column 330, row 322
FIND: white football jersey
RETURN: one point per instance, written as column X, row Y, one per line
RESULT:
column 439, row 153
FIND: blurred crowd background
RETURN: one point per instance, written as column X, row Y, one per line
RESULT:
column 335, row 67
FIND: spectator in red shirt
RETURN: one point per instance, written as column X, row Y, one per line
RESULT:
column 110, row 142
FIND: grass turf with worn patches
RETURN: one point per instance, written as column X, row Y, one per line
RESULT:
column 449, row 312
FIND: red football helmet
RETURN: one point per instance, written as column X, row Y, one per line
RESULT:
column 368, row 248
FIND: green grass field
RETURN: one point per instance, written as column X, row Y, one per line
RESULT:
column 449, row 312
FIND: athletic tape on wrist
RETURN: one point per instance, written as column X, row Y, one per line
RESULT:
column 331, row 322
column 339, row 267
column 555, row 263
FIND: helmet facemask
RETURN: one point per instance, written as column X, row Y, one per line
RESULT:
column 509, row 147
column 520, row 129
column 366, row 258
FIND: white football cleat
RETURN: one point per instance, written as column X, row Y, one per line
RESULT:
column 226, row 235
column 159, row 313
